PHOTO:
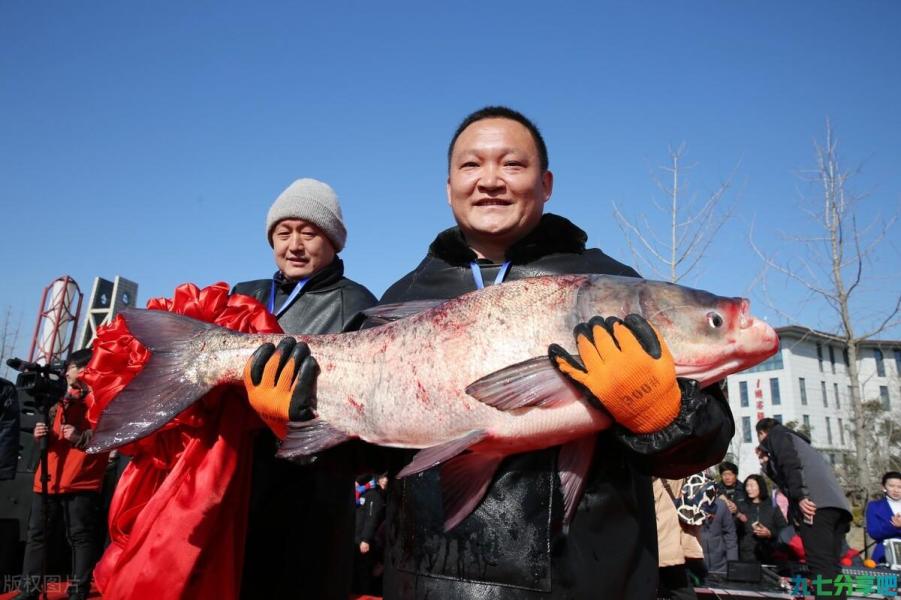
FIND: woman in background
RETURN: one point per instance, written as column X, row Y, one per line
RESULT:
column 884, row 516
column 758, row 522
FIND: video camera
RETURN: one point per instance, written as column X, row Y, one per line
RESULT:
column 40, row 381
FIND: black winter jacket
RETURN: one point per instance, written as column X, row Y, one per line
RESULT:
column 9, row 430
column 300, row 529
column 514, row 545
column 370, row 516
column 751, row 547
column 801, row 472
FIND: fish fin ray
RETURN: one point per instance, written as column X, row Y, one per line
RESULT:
column 573, row 463
column 464, row 482
column 533, row 382
column 157, row 329
column 386, row 313
column 305, row 438
column 159, row 392
column 435, row 455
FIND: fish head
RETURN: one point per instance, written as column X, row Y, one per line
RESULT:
column 709, row 336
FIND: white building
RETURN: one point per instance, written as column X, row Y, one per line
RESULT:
column 807, row 382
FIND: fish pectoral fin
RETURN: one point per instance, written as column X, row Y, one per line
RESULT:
column 305, row 438
column 435, row 455
column 573, row 463
column 464, row 481
column 533, row 382
column 399, row 310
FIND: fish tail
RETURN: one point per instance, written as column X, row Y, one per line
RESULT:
column 161, row 390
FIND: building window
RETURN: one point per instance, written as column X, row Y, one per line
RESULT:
column 897, row 352
column 883, row 396
column 832, row 358
column 746, row 428
column 743, row 393
column 820, row 355
column 773, row 363
column 838, row 402
column 841, row 431
column 806, row 421
column 778, row 417
column 774, row 391
column 880, row 362
column 829, row 431
column 846, row 359
column 823, row 390
column 832, row 458
column 803, row 391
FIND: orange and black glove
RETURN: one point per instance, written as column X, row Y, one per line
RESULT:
column 627, row 368
column 281, row 384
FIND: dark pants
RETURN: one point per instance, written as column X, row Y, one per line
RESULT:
column 300, row 528
column 79, row 512
column 674, row 583
column 823, row 545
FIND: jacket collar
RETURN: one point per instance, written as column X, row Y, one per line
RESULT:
column 323, row 278
column 553, row 235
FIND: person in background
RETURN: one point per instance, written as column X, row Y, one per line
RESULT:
column 817, row 507
column 884, row 515
column 758, row 522
column 369, row 542
column 9, row 430
column 300, row 528
column 718, row 538
column 677, row 542
column 73, row 487
column 728, row 487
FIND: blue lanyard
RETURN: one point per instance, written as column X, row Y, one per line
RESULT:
column 294, row 293
column 477, row 274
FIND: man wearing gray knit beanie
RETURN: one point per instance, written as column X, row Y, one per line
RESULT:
column 300, row 527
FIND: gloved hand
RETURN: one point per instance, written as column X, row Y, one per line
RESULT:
column 628, row 368
column 281, row 384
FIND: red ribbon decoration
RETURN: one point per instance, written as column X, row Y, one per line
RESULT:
column 179, row 513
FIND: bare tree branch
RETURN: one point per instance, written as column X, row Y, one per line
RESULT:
column 691, row 225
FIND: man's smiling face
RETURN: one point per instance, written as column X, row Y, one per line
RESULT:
column 300, row 248
column 496, row 186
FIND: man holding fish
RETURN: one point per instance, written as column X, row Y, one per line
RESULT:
column 573, row 519
column 301, row 518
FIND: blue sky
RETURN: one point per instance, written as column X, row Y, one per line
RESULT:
column 149, row 139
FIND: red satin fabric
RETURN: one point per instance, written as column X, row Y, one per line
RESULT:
column 179, row 513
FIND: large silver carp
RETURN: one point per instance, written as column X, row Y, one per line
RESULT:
column 468, row 380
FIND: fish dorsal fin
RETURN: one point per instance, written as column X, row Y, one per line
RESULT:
column 385, row 313
column 464, row 481
column 533, row 382
column 435, row 455
column 305, row 438
column 573, row 463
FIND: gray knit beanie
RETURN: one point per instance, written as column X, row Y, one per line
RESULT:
column 313, row 201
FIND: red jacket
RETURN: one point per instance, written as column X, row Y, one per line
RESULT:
column 70, row 468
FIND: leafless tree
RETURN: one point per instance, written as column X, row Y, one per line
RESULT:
column 9, row 338
column 674, row 251
column 829, row 267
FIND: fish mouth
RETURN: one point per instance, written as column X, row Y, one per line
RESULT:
column 708, row 373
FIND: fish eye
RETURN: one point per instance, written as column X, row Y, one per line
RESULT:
column 714, row 320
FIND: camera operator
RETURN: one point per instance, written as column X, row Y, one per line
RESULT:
column 73, row 487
